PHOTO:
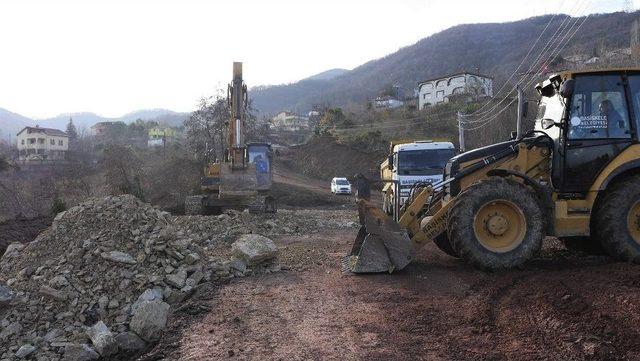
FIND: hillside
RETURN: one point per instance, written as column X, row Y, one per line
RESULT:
column 493, row 49
column 11, row 123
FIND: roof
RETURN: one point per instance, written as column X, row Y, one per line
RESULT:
column 454, row 74
column 47, row 131
column 423, row 146
column 568, row 73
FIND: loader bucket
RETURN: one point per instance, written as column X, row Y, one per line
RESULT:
column 238, row 182
column 381, row 245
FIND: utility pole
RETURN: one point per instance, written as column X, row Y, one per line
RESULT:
column 461, row 132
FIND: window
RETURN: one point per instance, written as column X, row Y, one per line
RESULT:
column 52, row 141
column 440, row 94
column 32, row 140
column 634, row 85
column 22, row 142
column 598, row 108
column 40, row 140
column 60, row 142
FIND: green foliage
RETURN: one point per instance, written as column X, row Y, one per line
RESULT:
column 57, row 206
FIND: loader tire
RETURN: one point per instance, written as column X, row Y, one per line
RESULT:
column 442, row 242
column 587, row 245
column 496, row 224
column 617, row 220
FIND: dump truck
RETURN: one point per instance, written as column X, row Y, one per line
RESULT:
column 576, row 176
column 410, row 163
column 243, row 178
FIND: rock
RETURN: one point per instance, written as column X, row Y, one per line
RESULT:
column 13, row 328
column 52, row 293
column 102, row 339
column 254, row 248
column 238, row 265
column 6, row 295
column 13, row 250
column 119, row 257
column 58, row 282
column 25, row 350
column 52, row 335
column 129, row 341
column 79, row 352
column 177, row 279
column 150, row 294
column 150, row 319
column 192, row 258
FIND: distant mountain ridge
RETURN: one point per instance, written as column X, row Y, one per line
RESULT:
column 11, row 123
column 493, row 49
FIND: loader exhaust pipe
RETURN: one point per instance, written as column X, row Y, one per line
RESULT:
column 522, row 113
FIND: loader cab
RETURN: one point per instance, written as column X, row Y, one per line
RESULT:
column 592, row 118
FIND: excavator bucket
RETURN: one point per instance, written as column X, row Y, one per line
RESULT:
column 381, row 245
column 238, row 182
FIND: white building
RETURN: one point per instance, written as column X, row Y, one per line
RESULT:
column 468, row 86
column 387, row 102
column 42, row 144
column 289, row 121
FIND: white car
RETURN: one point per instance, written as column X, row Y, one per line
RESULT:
column 340, row 186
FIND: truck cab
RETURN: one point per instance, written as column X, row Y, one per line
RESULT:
column 409, row 163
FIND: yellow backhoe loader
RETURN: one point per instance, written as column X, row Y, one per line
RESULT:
column 576, row 177
column 243, row 178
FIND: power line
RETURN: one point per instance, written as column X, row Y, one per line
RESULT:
column 554, row 38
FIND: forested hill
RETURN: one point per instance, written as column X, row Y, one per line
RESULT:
column 493, row 49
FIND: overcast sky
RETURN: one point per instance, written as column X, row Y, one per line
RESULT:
column 113, row 57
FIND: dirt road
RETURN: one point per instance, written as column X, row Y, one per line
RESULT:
column 561, row 306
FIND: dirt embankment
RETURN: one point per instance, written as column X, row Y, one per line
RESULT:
column 323, row 158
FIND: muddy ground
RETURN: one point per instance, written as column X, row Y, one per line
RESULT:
column 561, row 306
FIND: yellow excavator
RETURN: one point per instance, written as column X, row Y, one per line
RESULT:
column 243, row 178
column 576, row 176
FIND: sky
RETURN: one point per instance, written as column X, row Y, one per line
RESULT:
column 112, row 57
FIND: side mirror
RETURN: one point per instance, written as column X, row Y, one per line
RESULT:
column 390, row 162
column 548, row 123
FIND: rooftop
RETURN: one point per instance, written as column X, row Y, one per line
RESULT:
column 455, row 74
column 47, row 131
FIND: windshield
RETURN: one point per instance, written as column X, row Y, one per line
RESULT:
column 259, row 156
column 342, row 182
column 423, row 162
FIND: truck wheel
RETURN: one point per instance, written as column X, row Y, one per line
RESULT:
column 442, row 241
column 586, row 245
column 496, row 224
column 617, row 220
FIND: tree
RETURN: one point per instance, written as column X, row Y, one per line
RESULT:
column 71, row 131
column 122, row 170
column 205, row 128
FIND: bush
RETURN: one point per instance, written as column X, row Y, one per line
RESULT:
column 58, row 206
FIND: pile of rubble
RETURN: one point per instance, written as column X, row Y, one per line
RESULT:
column 103, row 279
